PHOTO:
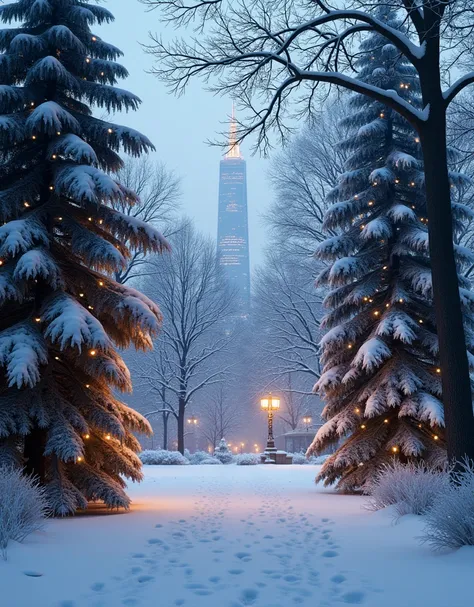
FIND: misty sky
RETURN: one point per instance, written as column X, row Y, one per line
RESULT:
column 179, row 127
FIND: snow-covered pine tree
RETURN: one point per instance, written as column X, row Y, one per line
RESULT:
column 61, row 314
column 381, row 381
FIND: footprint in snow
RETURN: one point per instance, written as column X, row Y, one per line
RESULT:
column 329, row 554
column 138, row 555
column 143, row 579
column 338, row 579
column 98, row 586
column 248, row 596
column 235, row 571
column 353, row 598
column 158, row 526
column 243, row 556
column 155, row 540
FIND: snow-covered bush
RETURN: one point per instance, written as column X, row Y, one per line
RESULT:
column 247, row 459
column 299, row 459
column 223, row 453
column 210, row 461
column 411, row 488
column 161, row 457
column 198, row 457
column 450, row 520
column 23, row 506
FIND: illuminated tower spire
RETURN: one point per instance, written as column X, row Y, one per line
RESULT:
column 234, row 148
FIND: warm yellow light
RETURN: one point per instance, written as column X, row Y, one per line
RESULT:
column 376, row 313
column 110, row 130
column 363, row 426
column 92, row 352
column 51, row 187
column 1, row 262
column 438, row 370
column 419, row 426
column 108, row 437
column 87, row 436
column 417, row 139
column 89, row 218
column 412, row 184
column 397, row 180
column 33, row 137
column 395, row 449
column 37, row 319
column 88, row 60
column 382, row 115
column 26, row 204
column 101, row 283
column 90, row 307
column 56, row 358
column 54, row 156
column 357, row 410
column 385, row 268
column 420, row 321
column 102, row 74
column 401, row 300
column 79, row 459
column 385, row 421
column 81, row 294
column 387, row 305
column 436, row 437
column 370, row 203
column 94, row 39
column 58, row 133
column 264, row 403
column 88, row 385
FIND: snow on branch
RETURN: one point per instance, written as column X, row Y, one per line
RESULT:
column 371, row 354
column 38, row 263
column 21, row 235
column 49, row 118
column 22, row 352
column 71, row 325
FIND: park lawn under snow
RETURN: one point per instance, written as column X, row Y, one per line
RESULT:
column 230, row 536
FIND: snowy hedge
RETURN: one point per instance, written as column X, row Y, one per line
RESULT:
column 411, row 488
column 247, row 459
column 210, row 461
column 161, row 457
column 23, row 507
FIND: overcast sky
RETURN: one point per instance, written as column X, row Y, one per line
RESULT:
column 179, row 127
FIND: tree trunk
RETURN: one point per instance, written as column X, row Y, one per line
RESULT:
column 181, row 409
column 165, row 430
column 456, row 385
column 34, row 447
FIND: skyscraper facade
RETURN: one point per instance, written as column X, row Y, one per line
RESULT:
column 232, row 228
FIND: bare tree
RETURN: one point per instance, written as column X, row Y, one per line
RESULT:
column 289, row 310
column 261, row 52
column 158, row 190
column 221, row 414
column 196, row 303
column 302, row 175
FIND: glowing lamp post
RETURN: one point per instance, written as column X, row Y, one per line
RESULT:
column 193, row 421
column 307, row 419
column 270, row 404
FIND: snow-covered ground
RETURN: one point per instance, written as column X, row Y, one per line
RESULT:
column 229, row 536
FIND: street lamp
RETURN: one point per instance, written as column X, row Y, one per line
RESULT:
column 193, row 421
column 270, row 404
column 242, row 445
column 256, row 448
column 307, row 419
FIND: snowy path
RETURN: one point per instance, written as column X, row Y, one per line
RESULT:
column 227, row 536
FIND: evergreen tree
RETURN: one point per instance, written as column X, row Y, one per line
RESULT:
column 381, row 381
column 62, row 316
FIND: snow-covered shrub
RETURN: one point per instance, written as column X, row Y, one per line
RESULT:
column 450, row 520
column 198, row 457
column 161, row 457
column 411, row 488
column 247, row 459
column 223, row 453
column 299, row 458
column 23, row 506
column 210, row 461
column 187, row 454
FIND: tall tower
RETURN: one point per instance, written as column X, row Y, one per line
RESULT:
column 232, row 228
